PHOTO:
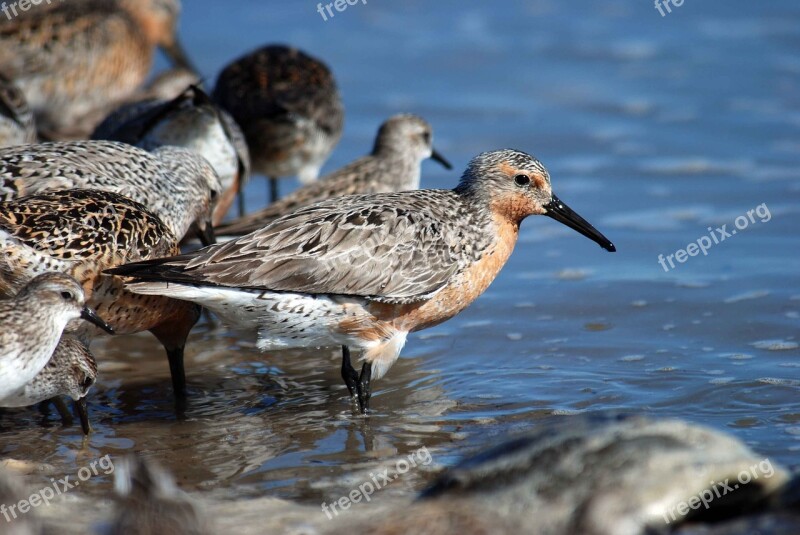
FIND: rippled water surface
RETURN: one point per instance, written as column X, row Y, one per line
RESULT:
column 653, row 128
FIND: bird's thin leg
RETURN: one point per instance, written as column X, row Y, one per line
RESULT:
column 240, row 202
column 176, row 369
column 61, row 407
column 274, row 194
column 349, row 374
column 364, row 388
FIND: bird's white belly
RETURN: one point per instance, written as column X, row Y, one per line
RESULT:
column 20, row 367
column 282, row 320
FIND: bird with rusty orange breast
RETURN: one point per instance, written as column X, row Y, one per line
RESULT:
column 364, row 271
column 288, row 106
column 74, row 60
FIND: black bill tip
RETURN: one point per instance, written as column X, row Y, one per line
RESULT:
column 437, row 157
column 91, row 316
column 562, row 213
column 82, row 409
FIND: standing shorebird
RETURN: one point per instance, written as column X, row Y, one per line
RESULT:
column 364, row 271
column 17, row 125
column 82, row 233
column 177, row 184
column 71, row 372
column 32, row 323
column 289, row 108
column 74, row 60
column 193, row 121
column 403, row 142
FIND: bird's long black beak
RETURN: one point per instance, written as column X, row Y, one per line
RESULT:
column 206, row 235
column 564, row 214
column 83, row 414
column 437, row 157
column 91, row 316
column 178, row 56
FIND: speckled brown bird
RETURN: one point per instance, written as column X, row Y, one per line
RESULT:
column 190, row 120
column 33, row 316
column 17, row 125
column 289, row 108
column 71, row 371
column 177, row 184
column 363, row 271
column 75, row 59
column 82, row 233
column 402, row 143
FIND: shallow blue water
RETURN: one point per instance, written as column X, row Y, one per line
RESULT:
column 653, row 128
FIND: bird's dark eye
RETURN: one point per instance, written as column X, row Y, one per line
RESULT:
column 214, row 195
column 67, row 296
column 522, row 180
column 87, row 383
column 426, row 137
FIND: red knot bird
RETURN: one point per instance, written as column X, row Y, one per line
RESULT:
column 191, row 120
column 71, row 371
column 17, row 125
column 33, row 321
column 289, row 108
column 364, row 271
column 73, row 60
column 402, row 143
column 82, row 233
column 177, row 184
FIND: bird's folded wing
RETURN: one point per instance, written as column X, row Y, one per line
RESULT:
column 385, row 247
column 78, row 224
